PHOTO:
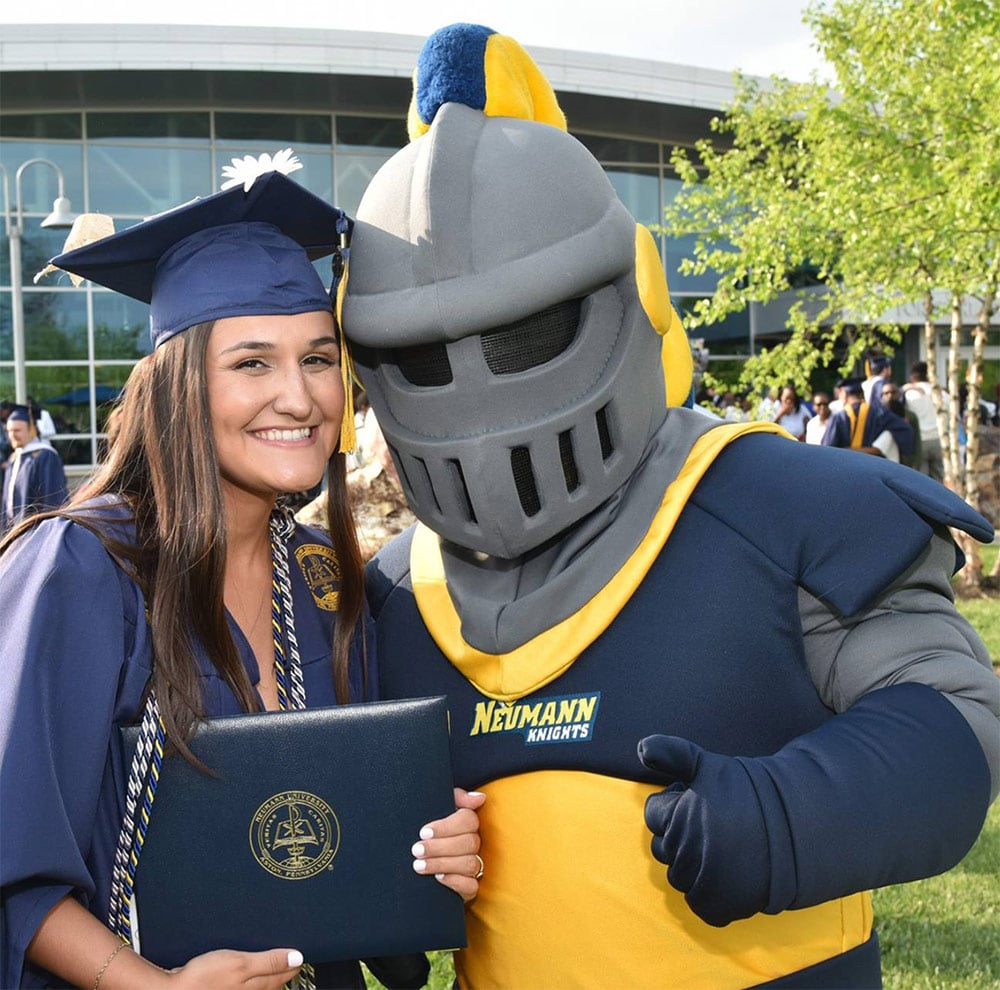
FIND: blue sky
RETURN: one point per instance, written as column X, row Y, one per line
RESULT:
column 760, row 37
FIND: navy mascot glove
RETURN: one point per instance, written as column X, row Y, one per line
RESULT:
column 711, row 829
column 894, row 789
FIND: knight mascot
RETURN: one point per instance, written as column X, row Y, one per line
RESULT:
column 707, row 718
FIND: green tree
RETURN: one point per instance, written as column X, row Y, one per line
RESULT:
column 887, row 186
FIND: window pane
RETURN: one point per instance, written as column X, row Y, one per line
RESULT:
column 40, row 125
column 639, row 190
column 142, row 181
column 55, row 325
column 121, row 326
column 38, row 244
column 6, row 342
column 731, row 336
column 110, row 381
column 371, row 132
column 72, row 418
column 39, row 183
column 297, row 130
column 176, row 126
column 679, row 248
column 354, row 172
column 606, row 149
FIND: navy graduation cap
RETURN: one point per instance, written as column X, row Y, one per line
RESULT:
column 246, row 251
column 20, row 414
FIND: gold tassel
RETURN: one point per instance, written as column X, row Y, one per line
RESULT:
column 348, row 434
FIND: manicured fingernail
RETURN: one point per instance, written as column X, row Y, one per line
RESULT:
column 477, row 794
column 294, row 959
column 418, row 849
column 438, row 876
column 420, row 865
column 427, row 832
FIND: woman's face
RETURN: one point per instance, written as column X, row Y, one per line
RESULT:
column 276, row 399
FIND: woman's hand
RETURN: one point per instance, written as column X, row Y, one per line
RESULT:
column 226, row 968
column 449, row 847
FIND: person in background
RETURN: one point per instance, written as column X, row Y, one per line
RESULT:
column 871, row 429
column 892, row 399
column 678, row 802
column 175, row 586
column 918, row 393
column 792, row 413
column 816, row 426
column 5, row 448
column 35, row 479
column 46, row 424
column 881, row 372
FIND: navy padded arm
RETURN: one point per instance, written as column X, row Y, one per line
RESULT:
column 894, row 789
column 826, row 546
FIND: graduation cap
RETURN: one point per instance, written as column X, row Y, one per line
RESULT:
column 246, row 251
column 20, row 414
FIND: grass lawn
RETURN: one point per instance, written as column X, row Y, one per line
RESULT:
column 944, row 933
column 984, row 613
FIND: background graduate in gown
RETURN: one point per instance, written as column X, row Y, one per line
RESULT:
column 35, row 479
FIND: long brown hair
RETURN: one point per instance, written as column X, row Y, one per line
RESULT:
column 161, row 461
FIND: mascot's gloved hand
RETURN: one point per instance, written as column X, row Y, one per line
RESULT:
column 870, row 798
column 711, row 828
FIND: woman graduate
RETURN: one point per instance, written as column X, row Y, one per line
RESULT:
column 158, row 576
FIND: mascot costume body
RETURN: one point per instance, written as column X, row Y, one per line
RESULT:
column 653, row 653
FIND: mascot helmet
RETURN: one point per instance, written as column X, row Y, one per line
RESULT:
column 505, row 312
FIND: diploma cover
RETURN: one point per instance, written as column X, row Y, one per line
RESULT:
column 302, row 838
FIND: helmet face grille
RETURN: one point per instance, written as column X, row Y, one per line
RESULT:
column 524, row 480
column 424, row 364
column 532, row 341
column 604, row 432
column 570, row 471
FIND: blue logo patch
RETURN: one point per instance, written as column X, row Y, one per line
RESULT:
column 565, row 718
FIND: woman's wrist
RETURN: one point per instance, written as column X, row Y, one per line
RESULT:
column 127, row 969
column 113, row 955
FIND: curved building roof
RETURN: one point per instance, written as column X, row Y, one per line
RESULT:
column 75, row 65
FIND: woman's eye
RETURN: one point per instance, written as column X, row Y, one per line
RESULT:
column 323, row 360
column 250, row 363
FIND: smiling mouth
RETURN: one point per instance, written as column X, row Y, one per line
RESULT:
column 287, row 436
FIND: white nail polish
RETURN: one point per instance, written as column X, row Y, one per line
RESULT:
column 438, row 876
column 294, row 959
column 476, row 794
column 418, row 850
column 420, row 865
column 427, row 832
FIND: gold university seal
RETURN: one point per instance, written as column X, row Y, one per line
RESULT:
column 294, row 835
column 321, row 569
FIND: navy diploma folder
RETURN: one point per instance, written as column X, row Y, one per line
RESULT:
column 301, row 838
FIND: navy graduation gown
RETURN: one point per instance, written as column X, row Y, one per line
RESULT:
column 34, row 481
column 75, row 660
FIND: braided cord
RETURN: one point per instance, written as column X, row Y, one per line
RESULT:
column 287, row 669
column 143, row 778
